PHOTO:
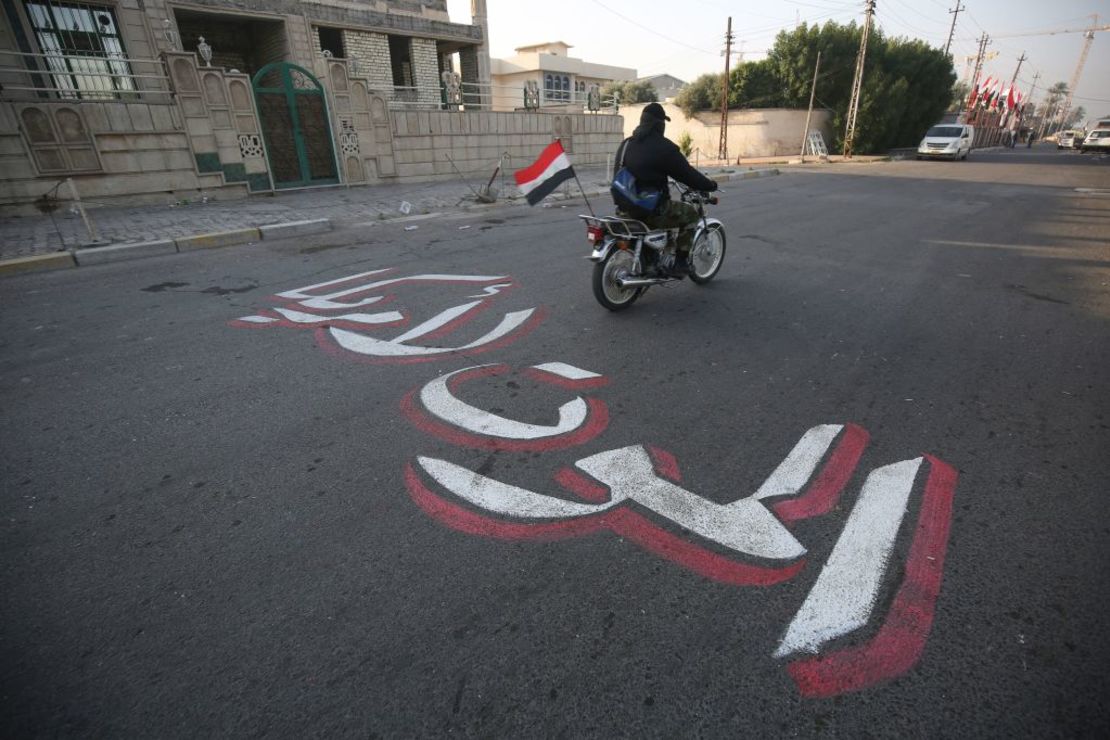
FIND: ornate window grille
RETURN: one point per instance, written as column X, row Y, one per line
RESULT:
column 81, row 48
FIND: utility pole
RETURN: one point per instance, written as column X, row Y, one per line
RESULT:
column 1013, row 81
column 1032, row 92
column 857, row 82
column 952, row 32
column 1088, row 37
column 812, row 94
column 722, row 149
column 983, row 41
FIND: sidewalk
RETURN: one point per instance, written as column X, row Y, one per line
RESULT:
column 39, row 242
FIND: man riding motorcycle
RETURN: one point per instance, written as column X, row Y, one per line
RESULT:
column 652, row 158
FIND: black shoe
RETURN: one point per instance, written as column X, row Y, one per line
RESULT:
column 681, row 266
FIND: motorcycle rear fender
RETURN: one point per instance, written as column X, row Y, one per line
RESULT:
column 601, row 251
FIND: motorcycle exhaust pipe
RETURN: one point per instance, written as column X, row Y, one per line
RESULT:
column 641, row 282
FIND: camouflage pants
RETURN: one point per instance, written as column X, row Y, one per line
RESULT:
column 677, row 215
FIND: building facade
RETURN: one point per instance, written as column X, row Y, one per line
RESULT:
column 666, row 86
column 158, row 100
column 563, row 80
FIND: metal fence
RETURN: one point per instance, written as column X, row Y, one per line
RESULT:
column 87, row 76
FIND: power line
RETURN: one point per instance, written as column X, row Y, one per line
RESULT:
column 651, row 30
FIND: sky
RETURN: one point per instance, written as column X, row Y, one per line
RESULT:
column 686, row 38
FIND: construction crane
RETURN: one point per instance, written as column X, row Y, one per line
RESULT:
column 1088, row 37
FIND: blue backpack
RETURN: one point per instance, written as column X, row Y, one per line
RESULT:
column 637, row 203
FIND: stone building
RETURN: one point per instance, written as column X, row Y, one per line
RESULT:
column 563, row 80
column 156, row 100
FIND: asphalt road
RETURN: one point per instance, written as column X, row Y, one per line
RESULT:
column 213, row 526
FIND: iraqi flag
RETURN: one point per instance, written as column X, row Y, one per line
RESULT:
column 540, row 178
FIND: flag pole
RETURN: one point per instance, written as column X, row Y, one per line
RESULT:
column 580, row 188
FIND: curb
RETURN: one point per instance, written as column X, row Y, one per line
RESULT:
column 217, row 239
column 295, row 228
column 159, row 247
column 37, row 263
column 121, row 252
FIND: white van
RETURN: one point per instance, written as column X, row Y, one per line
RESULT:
column 947, row 141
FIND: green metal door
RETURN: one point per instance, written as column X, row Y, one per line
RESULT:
column 295, row 126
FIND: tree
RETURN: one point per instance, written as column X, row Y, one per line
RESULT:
column 906, row 88
column 631, row 92
column 704, row 93
column 960, row 91
column 1078, row 115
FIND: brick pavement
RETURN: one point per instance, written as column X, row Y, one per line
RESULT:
column 36, row 235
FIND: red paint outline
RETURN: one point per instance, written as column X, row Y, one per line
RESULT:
column 622, row 520
column 900, row 641
column 584, row 487
column 823, row 492
column 597, row 421
column 664, row 463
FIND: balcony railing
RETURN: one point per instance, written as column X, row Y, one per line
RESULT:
column 88, row 76
column 474, row 96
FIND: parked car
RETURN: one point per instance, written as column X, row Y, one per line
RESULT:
column 1066, row 139
column 947, row 141
column 1097, row 141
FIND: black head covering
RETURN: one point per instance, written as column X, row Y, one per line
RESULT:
column 652, row 119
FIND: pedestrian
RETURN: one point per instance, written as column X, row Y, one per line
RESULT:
column 1032, row 135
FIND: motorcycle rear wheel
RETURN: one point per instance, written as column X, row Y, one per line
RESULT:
column 708, row 254
column 618, row 264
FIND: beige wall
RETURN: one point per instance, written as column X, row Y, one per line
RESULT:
column 769, row 132
column 424, row 139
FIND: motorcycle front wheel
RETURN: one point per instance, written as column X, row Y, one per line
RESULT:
column 707, row 254
column 620, row 263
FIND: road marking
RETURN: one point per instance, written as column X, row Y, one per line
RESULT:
column 842, row 598
column 796, row 470
column 437, row 398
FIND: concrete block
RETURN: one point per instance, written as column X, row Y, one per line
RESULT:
column 217, row 239
column 120, row 252
column 118, row 118
column 141, row 119
column 55, row 261
column 95, row 118
column 295, row 228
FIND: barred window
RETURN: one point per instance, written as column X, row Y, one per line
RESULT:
column 82, row 49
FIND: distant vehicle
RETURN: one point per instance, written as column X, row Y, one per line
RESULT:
column 947, row 141
column 1097, row 141
column 1070, row 139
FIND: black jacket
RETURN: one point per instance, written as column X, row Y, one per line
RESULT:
column 652, row 158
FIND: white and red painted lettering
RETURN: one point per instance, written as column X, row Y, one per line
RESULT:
column 836, row 641
column 338, row 310
column 596, row 494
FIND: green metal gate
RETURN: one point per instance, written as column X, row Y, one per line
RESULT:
column 294, row 114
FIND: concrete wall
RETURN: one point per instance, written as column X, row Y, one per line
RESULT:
column 423, row 140
column 140, row 151
column 768, row 132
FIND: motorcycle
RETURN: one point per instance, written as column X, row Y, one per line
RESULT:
column 629, row 257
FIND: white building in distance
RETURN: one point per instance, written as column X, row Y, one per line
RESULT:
column 563, row 80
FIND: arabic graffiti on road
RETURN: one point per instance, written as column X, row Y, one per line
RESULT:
column 839, row 639
column 636, row 493
column 338, row 312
